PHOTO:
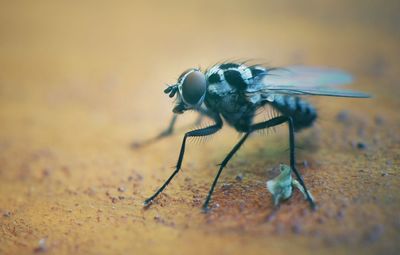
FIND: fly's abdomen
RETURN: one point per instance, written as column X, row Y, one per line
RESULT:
column 302, row 112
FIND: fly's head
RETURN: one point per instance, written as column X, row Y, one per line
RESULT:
column 190, row 90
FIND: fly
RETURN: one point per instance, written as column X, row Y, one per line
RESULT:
column 234, row 92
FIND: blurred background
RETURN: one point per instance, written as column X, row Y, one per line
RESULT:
column 81, row 81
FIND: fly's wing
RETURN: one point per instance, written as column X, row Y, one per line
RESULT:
column 300, row 80
column 316, row 91
column 304, row 76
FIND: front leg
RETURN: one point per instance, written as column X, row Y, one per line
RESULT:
column 195, row 133
column 170, row 129
column 165, row 133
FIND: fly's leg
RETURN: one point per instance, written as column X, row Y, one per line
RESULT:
column 221, row 167
column 293, row 162
column 170, row 128
column 289, row 120
column 202, row 112
column 165, row 133
column 199, row 132
column 267, row 124
column 168, row 131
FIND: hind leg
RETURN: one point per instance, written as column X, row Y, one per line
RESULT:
column 292, row 154
column 259, row 126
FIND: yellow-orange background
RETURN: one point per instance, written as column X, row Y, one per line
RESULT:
column 81, row 80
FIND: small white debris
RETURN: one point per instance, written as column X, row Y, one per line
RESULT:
column 281, row 187
column 42, row 247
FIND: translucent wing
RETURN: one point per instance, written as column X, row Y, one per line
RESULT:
column 316, row 91
column 299, row 80
column 303, row 76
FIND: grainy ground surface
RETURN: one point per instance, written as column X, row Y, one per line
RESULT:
column 81, row 81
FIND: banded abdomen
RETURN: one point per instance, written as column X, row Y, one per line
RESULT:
column 302, row 112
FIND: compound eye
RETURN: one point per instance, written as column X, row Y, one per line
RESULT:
column 194, row 87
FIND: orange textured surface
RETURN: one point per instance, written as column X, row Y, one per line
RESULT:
column 79, row 82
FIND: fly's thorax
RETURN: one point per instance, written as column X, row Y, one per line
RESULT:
column 233, row 106
column 236, row 75
column 227, row 84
